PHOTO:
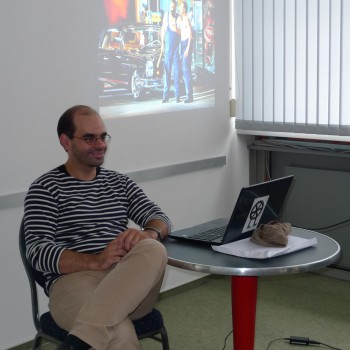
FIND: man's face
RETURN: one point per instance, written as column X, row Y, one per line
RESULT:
column 81, row 154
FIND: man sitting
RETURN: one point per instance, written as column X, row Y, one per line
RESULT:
column 100, row 274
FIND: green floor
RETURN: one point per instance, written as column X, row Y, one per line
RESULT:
column 198, row 315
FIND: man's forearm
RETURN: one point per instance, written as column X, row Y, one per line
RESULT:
column 159, row 225
column 71, row 261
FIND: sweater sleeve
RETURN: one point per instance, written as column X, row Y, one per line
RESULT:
column 141, row 208
column 40, row 220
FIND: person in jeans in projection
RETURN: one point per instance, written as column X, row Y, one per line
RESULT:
column 186, row 44
column 170, row 39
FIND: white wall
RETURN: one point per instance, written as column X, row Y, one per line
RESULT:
column 28, row 122
column 188, row 199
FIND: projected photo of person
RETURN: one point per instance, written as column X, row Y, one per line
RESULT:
column 184, row 24
column 153, row 54
column 170, row 38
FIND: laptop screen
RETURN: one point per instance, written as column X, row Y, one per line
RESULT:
column 257, row 204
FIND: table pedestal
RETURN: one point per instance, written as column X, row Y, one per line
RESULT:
column 244, row 296
column 245, row 272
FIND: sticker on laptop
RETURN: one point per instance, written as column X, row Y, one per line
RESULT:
column 255, row 213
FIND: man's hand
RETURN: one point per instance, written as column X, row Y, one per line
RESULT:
column 118, row 248
column 111, row 255
column 74, row 262
column 129, row 238
column 71, row 261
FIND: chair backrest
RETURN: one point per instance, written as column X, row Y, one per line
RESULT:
column 31, row 278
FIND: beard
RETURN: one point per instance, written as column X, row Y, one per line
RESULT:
column 91, row 158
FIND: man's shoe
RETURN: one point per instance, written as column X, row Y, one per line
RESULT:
column 178, row 99
column 165, row 100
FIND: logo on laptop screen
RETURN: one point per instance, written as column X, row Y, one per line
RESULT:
column 255, row 213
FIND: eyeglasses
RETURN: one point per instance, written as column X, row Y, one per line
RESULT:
column 91, row 140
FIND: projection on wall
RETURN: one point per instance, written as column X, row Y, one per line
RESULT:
column 132, row 63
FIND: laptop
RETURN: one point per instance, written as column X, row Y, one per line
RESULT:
column 256, row 204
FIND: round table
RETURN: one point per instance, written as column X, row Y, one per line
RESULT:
column 244, row 273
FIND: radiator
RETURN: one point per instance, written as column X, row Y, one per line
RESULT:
column 319, row 200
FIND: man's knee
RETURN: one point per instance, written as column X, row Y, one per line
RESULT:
column 155, row 249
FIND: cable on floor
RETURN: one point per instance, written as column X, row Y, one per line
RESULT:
column 226, row 340
column 272, row 341
column 302, row 341
column 292, row 340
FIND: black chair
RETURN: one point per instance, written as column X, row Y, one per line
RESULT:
column 150, row 326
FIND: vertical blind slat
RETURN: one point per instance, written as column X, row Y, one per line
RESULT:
column 292, row 65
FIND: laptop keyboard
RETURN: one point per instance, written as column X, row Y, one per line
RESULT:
column 211, row 234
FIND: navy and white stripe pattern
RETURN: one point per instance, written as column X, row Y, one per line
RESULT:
column 63, row 212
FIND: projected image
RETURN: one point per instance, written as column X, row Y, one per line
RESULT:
column 156, row 55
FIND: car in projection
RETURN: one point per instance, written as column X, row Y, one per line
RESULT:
column 129, row 57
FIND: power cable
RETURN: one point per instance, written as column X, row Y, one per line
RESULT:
column 302, row 341
column 231, row 332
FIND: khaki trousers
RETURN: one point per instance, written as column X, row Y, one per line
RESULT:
column 98, row 306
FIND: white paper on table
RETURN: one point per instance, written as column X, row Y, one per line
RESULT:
column 247, row 249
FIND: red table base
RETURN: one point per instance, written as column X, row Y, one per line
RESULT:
column 244, row 295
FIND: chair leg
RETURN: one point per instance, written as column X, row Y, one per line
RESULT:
column 165, row 340
column 41, row 337
column 37, row 342
column 161, row 337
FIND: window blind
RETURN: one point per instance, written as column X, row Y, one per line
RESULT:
column 293, row 66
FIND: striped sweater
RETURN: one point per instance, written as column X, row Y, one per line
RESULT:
column 62, row 212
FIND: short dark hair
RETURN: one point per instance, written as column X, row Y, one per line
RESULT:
column 66, row 122
column 185, row 5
